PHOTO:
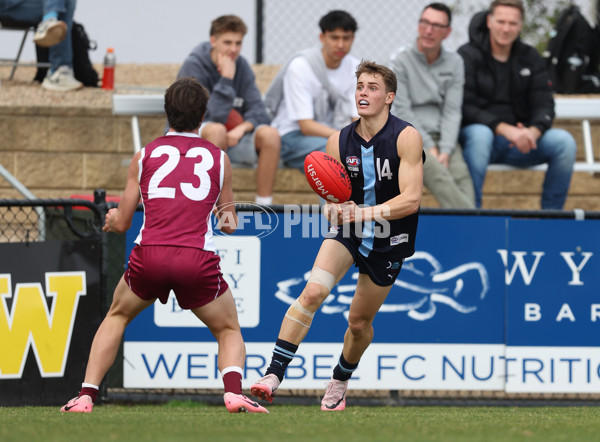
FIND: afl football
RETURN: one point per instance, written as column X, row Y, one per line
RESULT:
column 327, row 177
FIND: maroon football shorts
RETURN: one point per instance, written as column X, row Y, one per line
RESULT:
column 193, row 274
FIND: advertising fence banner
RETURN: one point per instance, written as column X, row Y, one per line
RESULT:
column 485, row 303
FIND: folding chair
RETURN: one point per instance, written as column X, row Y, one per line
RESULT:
column 9, row 24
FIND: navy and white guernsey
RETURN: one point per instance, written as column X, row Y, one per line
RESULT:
column 373, row 170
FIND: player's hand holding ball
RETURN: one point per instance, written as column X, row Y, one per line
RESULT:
column 338, row 214
column 331, row 212
column 349, row 212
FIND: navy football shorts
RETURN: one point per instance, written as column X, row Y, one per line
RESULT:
column 382, row 268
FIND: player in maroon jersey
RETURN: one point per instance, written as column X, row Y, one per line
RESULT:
column 181, row 179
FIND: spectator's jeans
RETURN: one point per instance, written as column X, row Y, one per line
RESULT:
column 32, row 11
column 295, row 147
column 555, row 147
column 452, row 186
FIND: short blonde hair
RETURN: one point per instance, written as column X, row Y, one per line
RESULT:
column 388, row 76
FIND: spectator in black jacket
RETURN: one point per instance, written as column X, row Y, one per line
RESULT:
column 508, row 107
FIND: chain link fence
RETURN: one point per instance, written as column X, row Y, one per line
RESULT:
column 46, row 220
column 24, row 221
column 384, row 25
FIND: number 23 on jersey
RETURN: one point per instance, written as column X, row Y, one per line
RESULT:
column 201, row 168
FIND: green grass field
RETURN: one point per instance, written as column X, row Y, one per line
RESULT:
column 182, row 421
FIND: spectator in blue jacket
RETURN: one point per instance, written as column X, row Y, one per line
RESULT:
column 236, row 119
column 508, row 106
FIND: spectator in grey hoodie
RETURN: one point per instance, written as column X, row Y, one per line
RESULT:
column 236, row 119
column 430, row 93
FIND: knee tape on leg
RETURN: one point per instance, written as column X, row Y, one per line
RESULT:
column 323, row 277
column 299, row 314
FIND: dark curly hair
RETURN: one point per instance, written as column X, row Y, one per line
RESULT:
column 185, row 104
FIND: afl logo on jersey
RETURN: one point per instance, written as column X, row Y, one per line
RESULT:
column 352, row 164
column 353, row 161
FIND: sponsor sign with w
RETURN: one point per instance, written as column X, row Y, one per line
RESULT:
column 50, row 307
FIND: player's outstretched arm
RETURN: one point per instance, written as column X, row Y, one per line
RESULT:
column 225, row 210
column 119, row 220
column 410, row 179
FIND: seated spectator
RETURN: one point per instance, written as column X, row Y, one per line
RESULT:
column 55, row 18
column 430, row 91
column 508, row 106
column 312, row 96
column 236, row 119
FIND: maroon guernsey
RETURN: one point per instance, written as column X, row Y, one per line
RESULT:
column 180, row 176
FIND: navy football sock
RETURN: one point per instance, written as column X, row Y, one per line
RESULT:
column 343, row 370
column 283, row 354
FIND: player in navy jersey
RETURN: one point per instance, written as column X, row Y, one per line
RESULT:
column 181, row 178
column 375, row 230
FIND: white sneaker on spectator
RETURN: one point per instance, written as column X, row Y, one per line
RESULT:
column 61, row 80
column 50, row 32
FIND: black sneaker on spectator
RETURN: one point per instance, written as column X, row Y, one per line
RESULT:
column 62, row 80
column 50, row 32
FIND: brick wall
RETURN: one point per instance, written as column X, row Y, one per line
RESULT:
column 57, row 150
